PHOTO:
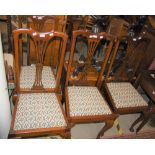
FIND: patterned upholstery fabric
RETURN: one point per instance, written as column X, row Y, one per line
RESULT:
column 27, row 77
column 125, row 95
column 86, row 101
column 38, row 110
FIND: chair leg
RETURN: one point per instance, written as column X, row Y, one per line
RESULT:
column 145, row 120
column 108, row 125
column 70, row 123
column 66, row 135
column 136, row 122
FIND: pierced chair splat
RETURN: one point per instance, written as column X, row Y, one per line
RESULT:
column 84, row 69
column 37, row 76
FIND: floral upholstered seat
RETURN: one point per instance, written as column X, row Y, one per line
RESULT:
column 27, row 77
column 38, row 110
column 86, row 101
column 124, row 95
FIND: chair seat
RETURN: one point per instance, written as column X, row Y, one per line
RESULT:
column 124, row 95
column 86, row 101
column 27, row 77
column 38, row 110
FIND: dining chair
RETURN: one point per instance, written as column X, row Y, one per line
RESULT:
column 121, row 94
column 38, row 110
column 85, row 103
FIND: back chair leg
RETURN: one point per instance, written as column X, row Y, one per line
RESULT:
column 136, row 122
column 108, row 125
column 145, row 120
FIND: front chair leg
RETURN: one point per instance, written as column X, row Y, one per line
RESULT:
column 70, row 123
column 136, row 122
column 108, row 125
column 66, row 135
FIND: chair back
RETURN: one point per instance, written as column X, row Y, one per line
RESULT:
column 41, row 42
column 38, row 23
column 84, row 63
column 118, row 27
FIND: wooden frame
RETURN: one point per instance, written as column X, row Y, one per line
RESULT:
column 108, row 119
column 41, row 42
